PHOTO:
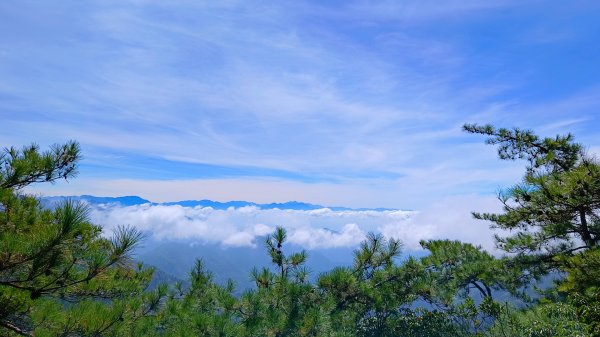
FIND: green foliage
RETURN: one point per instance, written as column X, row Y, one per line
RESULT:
column 19, row 168
column 462, row 279
column 557, row 154
column 288, row 266
column 205, row 309
column 554, row 215
column 554, row 319
column 284, row 303
column 582, row 284
column 57, row 273
column 417, row 323
column 457, row 267
column 555, row 210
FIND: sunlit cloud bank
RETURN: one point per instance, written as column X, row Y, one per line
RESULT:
column 313, row 229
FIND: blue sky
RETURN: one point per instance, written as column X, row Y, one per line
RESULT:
column 352, row 103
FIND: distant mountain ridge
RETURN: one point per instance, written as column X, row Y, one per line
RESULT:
column 135, row 200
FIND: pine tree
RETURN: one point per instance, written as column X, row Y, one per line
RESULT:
column 554, row 214
column 555, row 210
column 284, row 302
column 58, row 275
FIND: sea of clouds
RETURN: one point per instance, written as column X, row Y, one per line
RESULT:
column 313, row 229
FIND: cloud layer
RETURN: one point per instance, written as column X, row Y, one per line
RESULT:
column 314, row 229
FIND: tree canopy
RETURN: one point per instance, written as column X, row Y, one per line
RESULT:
column 555, row 209
column 55, row 266
column 61, row 275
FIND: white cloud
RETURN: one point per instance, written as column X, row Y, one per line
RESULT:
column 449, row 218
column 239, row 239
column 321, row 228
column 350, row 235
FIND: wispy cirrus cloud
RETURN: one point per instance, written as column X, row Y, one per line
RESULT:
column 356, row 96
